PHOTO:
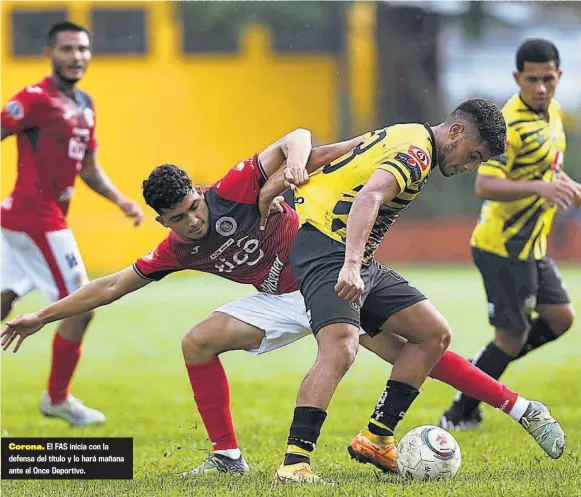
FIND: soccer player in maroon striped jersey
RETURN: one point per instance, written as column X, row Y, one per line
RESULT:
column 54, row 123
column 220, row 231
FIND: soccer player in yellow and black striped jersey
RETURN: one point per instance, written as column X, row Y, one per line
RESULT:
column 522, row 189
column 345, row 209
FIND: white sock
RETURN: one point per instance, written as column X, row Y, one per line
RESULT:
column 231, row 453
column 519, row 408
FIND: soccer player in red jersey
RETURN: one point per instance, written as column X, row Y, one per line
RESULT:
column 54, row 123
column 220, row 231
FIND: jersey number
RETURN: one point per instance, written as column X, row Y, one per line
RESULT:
column 358, row 150
column 76, row 149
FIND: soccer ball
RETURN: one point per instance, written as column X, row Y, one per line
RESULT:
column 428, row 453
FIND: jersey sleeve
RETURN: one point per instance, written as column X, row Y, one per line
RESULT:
column 498, row 167
column 160, row 262
column 408, row 164
column 243, row 182
column 24, row 110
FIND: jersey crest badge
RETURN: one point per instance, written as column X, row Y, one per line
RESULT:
column 411, row 164
column 420, row 155
column 15, row 110
column 226, row 226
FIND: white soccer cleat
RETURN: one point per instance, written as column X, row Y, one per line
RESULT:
column 218, row 463
column 71, row 410
column 545, row 429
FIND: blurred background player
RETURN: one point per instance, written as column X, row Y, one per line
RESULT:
column 54, row 123
column 522, row 190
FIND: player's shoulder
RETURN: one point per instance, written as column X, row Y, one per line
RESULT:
column 516, row 112
column 83, row 98
column 34, row 92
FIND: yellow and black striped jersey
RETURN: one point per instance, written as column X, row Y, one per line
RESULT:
column 408, row 151
column 535, row 150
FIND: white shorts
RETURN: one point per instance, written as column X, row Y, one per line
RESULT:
column 50, row 262
column 283, row 318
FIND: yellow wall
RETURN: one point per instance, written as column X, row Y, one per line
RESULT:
column 203, row 113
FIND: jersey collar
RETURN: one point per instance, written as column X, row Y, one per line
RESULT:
column 433, row 143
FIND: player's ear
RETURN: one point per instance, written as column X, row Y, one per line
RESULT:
column 160, row 220
column 46, row 51
column 516, row 76
column 199, row 190
column 455, row 130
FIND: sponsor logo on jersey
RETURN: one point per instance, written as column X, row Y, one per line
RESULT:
column 270, row 284
column 195, row 250
column 411, row 164
column 15, row 110
column 420, row 155
column 34, row 89
column 224, row 246
column 66, row 195
column 226, row 226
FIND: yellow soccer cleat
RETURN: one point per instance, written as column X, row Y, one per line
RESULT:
column 379, row 451
column 296, row 473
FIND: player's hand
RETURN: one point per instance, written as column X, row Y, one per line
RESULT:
column 350, row 284
column 559, row 192
column 21, row 327
column 267, row 207
column 294, row 176
column 132, row 210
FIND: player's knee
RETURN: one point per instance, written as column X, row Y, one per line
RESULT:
column 196, row 343
column 86, row 318
column 338, row 347
column 564, row 321
column 440, row 334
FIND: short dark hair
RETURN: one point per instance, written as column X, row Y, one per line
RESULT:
column 61, row 27
column 166, row 187
column 536, row 50
column 487, row 118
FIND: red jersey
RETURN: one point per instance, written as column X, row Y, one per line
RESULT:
column 54, row 131
column 234, row 247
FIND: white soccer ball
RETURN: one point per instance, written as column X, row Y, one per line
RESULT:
column 428, row 453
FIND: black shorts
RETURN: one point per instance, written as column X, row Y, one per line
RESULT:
column 514, row 288
column 316, row 261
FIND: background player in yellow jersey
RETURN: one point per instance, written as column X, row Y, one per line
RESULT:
column 522, row 190
column 345, row 210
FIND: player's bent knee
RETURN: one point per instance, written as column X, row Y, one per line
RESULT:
column 338, row 344
column 564, row 322
column 196, row 340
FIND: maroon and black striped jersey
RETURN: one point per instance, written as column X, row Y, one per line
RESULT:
column 234, row 247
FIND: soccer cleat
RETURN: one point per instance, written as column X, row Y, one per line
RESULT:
column 456, row 420
column 218, row 463
column 545, row 429
column 71, row 410
column 297, row 473
column 379, row 451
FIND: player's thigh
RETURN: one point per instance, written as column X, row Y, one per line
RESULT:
column 551, row 290
column 316, row 262
column 14, row 270
column 511, row 288
column 65, row 261
column 390, row 297
column 271, row 321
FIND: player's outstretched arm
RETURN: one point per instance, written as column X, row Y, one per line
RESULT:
column 381, row 187
column 101, row 291
column 96, row 179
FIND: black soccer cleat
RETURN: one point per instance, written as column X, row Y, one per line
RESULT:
column 454, row 419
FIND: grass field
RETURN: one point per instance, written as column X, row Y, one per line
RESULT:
column 132, row 370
